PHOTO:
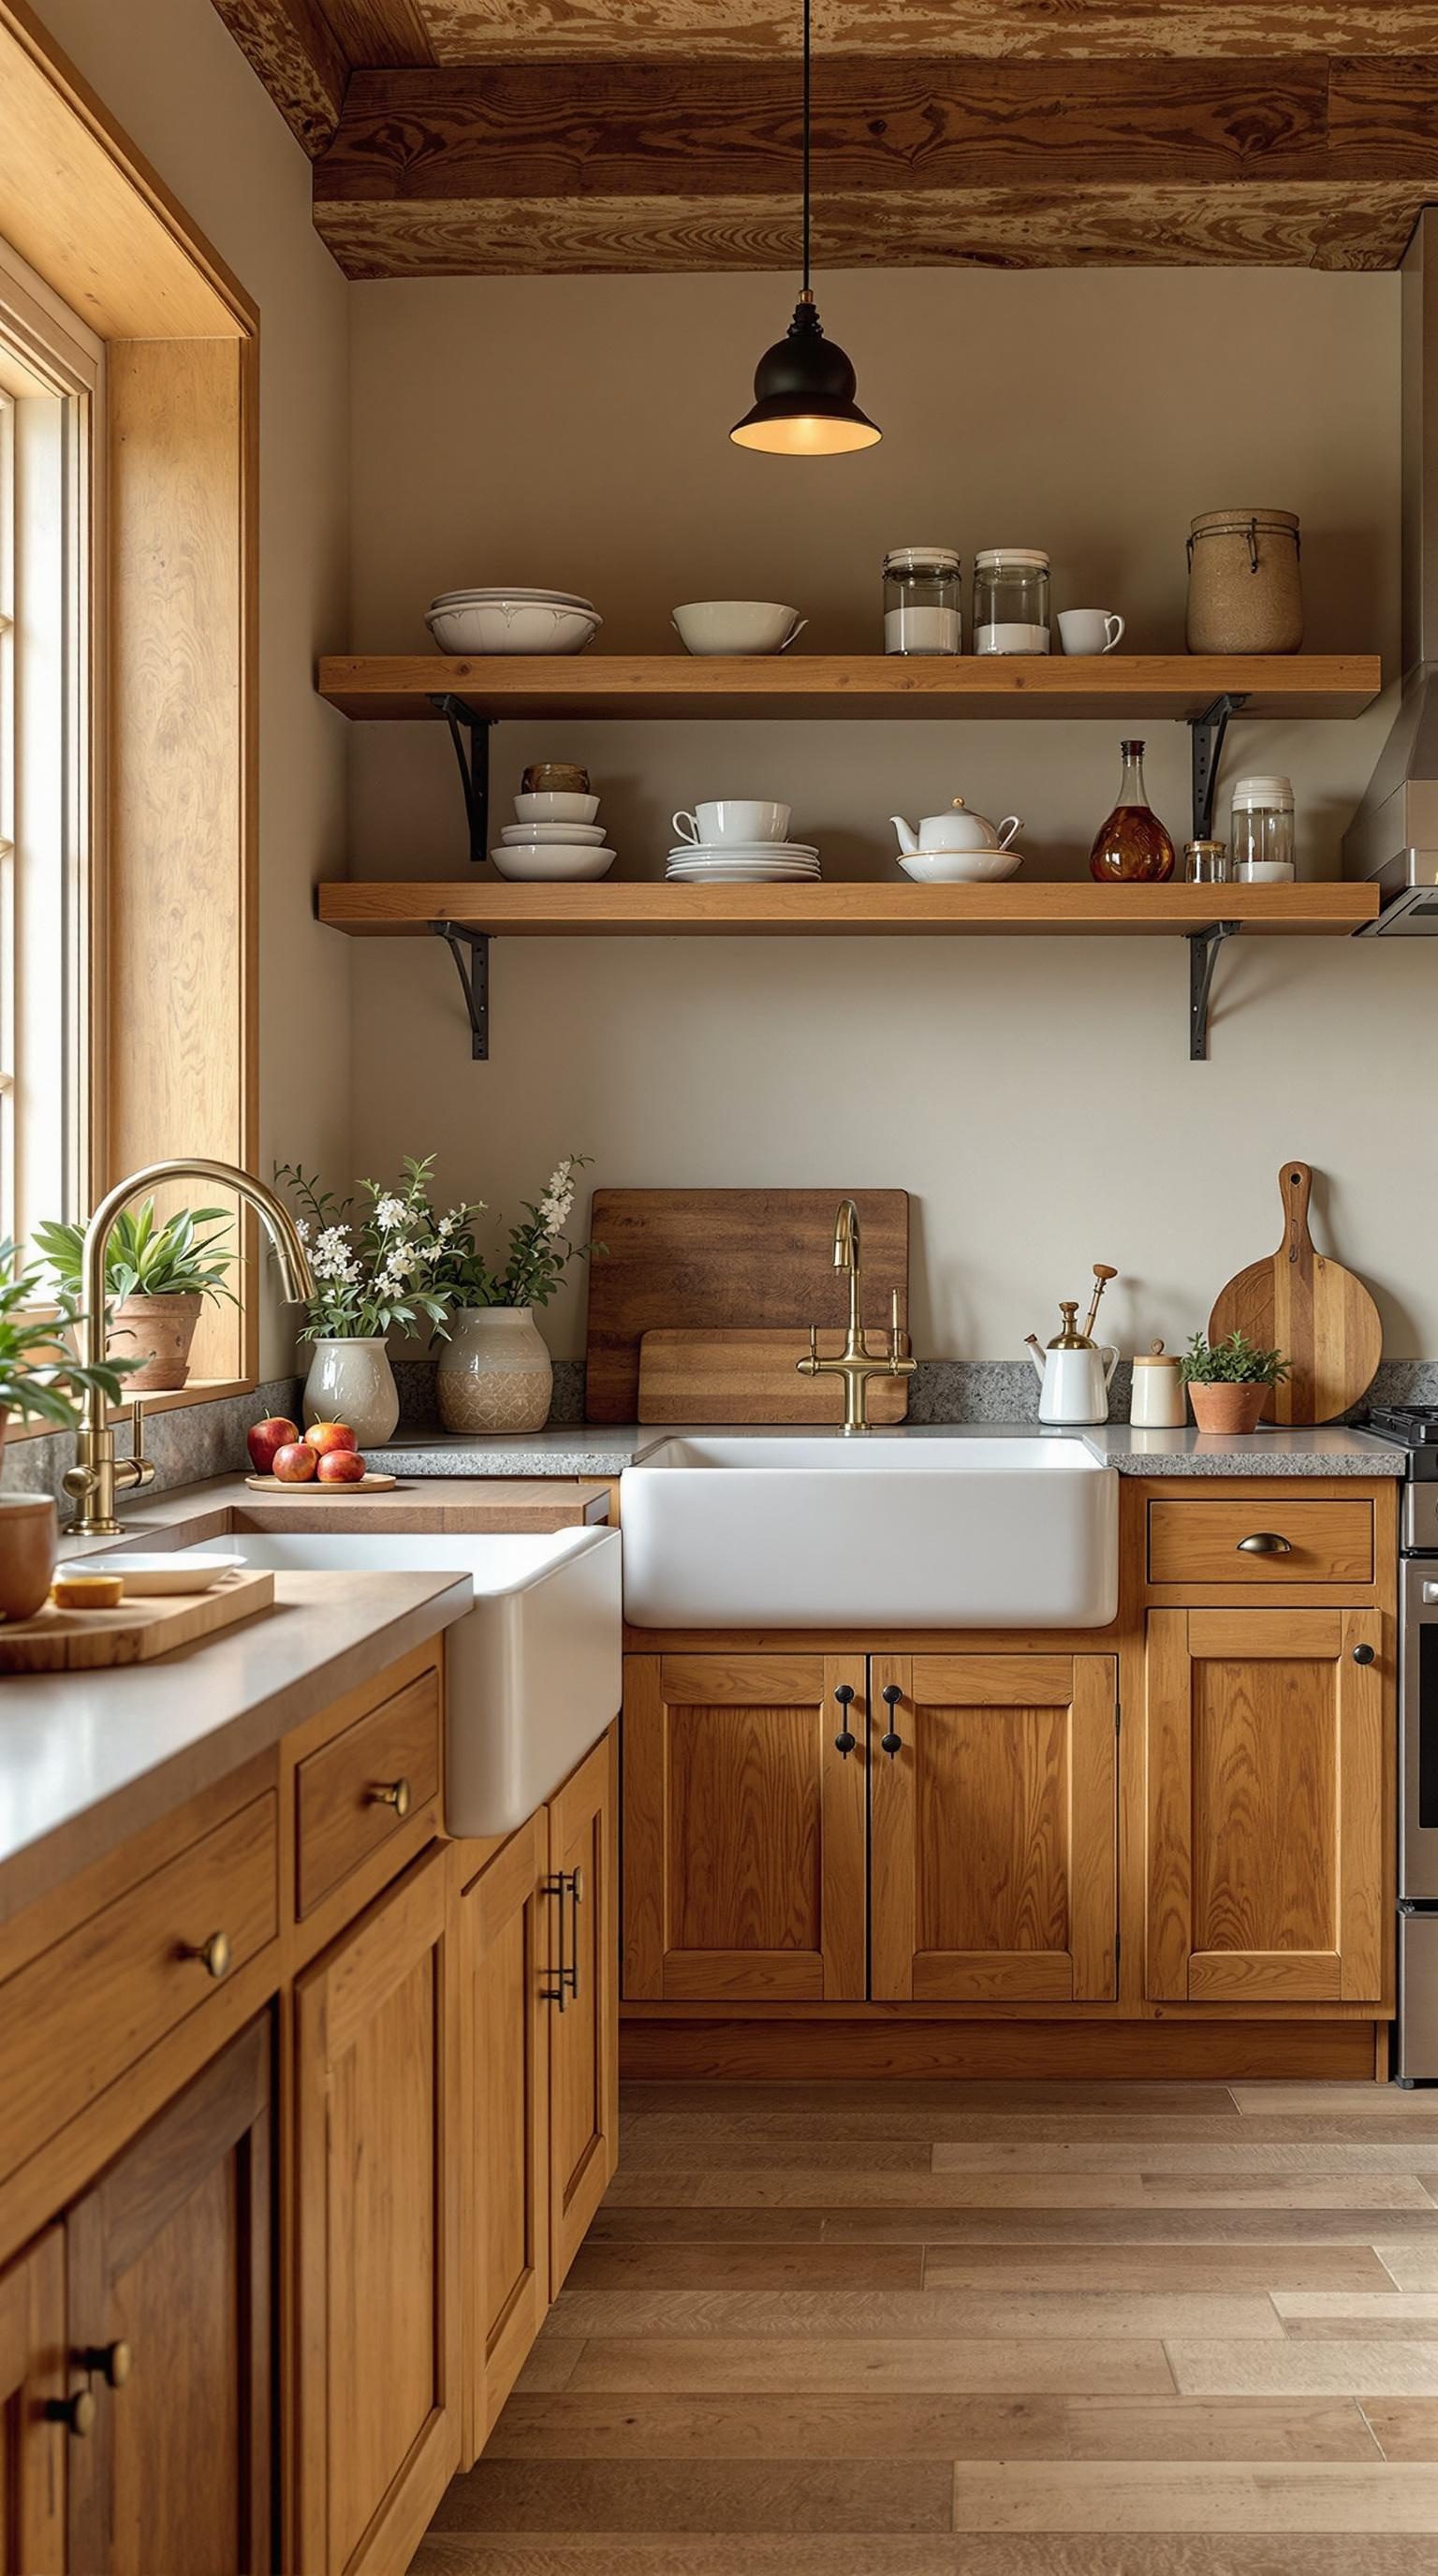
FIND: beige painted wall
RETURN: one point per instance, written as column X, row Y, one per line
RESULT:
column 180, row 86
column 1034, row 1095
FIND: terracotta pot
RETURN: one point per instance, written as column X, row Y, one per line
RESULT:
column 1229, row 1405
column 158, row 1331
column 494, row 1373
column 27, row 1553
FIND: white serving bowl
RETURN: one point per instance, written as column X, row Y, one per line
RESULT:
column 553, row 860
column 515, row 835
column 962, row 867
column 736, row 625
column 513, row 626
column 556, row 805
column 513, row 590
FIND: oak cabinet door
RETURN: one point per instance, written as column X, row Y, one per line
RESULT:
column 505, row 1941
column 994, row 1786
column 584, row 2006
column 1268, row 1806
column 169, row 2322
column 744, row 1827
column 32, row 2381
column 377, row 2360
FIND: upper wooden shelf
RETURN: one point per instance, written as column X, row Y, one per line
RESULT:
column 486, row 907
column 404, row 686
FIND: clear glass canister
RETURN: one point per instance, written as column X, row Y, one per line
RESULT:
column 1261, row 831
column 923, row 611
column 1011, row 600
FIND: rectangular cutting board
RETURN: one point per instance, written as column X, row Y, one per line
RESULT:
column 688, row 1260
column 736, row 1377
column 74, row 1641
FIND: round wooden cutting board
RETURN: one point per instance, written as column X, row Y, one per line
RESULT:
column 1317, row 1313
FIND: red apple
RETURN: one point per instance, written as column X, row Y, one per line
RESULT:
column 294, row 1464
column 341, row 1467
column 327, row 1437
column 265, row 1438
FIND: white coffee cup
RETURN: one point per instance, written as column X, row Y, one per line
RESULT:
column 1090, row 630
column 733, row 818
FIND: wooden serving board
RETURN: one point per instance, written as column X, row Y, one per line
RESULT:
column 695, row 1260
column 370, row 1483
column 1317, row 1313
column 739, row 1376
column 74, row 1641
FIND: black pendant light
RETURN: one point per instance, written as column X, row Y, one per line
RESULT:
column 804, row 386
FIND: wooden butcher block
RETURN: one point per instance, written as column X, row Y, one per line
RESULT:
column 702, row 1260
column 74, row 1641
column 739, row 1377
column 1313, row 1310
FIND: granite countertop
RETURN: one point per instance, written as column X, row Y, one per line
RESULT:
column 605, row 1449
column 88, row 1759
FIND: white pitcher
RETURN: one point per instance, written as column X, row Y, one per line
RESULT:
column 1074, row 1374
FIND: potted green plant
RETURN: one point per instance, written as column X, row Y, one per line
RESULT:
column 1228, row 1381
column 157, row 1278
column 493, row 1371
column 40, row 1380
column 375, row 1267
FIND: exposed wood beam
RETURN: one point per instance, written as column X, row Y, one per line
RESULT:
column 291, row 46
column 544, row 167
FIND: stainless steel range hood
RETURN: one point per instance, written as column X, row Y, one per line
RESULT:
column 1393, row 837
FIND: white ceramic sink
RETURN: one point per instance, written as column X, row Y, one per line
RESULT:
column 896, row 1528
column 533, row 1671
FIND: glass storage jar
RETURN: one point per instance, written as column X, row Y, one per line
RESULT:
column 923, row 610
column 1261, row 831
column 1011, row 600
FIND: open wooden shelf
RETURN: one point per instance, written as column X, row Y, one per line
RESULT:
column 402, row 687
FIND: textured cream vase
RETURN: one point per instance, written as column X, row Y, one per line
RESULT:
column 352, row 1382
column 494, row 1373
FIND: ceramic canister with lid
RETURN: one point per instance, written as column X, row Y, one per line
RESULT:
column 1245, row 591
column 1011, row 600
column 1156, row 1403
column 923, row 611
column 1261, row 831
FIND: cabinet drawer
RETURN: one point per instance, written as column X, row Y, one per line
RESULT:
column 345, row 1795
column 1331, row 1541
column 74, row 2018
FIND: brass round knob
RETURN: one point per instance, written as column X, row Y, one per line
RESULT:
column 394, row 1793
column 114, row 2362
column 76, row 2413
column 214, row 1953
column 579, row 1887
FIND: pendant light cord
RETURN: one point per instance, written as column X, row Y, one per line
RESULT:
column 807, row 54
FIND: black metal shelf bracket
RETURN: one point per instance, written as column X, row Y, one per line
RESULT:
column 473, row 974
column 1206, row 734
column 469, row 734
column 1203, row 948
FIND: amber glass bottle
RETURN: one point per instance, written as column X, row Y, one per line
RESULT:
column 1132, row 846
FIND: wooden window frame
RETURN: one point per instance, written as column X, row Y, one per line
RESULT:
column 172, row 930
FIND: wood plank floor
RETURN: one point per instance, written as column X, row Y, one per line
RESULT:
column 984, row 2330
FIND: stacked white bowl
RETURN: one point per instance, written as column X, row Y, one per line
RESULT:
column 518, row 620
column 555, row 835
column 740, row 840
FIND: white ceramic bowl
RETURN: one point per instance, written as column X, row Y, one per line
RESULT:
column 513, row 626
column 512, row 590
column 553, row 860
column 962, row 867
column 556, row 805
column 736, row 625
column 515, row 835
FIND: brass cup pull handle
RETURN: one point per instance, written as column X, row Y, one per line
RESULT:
column 214, row 1954
column 76, row 2413
column 113, row 2361
column 393, row 1793
column 1265, row 1543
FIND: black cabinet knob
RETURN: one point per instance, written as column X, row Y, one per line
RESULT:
column 1363, row 1654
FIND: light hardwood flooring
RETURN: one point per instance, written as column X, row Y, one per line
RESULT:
column 984, row 2330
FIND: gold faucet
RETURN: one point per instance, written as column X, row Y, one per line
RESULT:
column 97, row 1475
column 855, row 1365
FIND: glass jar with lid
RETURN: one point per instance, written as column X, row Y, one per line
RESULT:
column 1011, row 600
column 1261, row 832
column 923, row 608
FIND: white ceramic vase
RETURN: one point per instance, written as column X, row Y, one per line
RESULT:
column 494, row 1372
column 352, row 1382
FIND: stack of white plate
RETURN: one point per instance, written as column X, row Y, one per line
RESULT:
column 744, row 863
column 512, row 621
column 556, row 836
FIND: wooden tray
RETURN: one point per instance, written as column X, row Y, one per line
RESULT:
column 74, row 1641
column 367, row 1484
column 739, row 1377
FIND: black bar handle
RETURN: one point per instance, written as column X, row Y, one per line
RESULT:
column 846, row 1740
column 891, row 1698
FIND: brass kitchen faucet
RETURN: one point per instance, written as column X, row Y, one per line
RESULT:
column 855, row 1363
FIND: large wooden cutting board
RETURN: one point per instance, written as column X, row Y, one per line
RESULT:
column 694, row 1259
column 1317, row 1313
column 74, row 1641
column 734, row 1377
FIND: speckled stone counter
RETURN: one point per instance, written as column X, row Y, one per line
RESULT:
column 605, row 1449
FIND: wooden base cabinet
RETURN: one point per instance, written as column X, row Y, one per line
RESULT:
column 33, row 2440
column 1268, row 1794
column 583, row 2020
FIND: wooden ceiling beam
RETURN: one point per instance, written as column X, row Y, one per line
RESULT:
column 294, row 50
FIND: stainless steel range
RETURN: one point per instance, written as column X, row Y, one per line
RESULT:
column 1414, row 1429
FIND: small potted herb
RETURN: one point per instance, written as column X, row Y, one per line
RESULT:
column 39, row 1379
column 1228, row 1381
column 157, row 1278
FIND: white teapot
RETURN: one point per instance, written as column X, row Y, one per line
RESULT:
column 958, row 829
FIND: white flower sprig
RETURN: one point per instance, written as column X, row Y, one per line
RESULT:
column 389, row 1265
column 538, row 1254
